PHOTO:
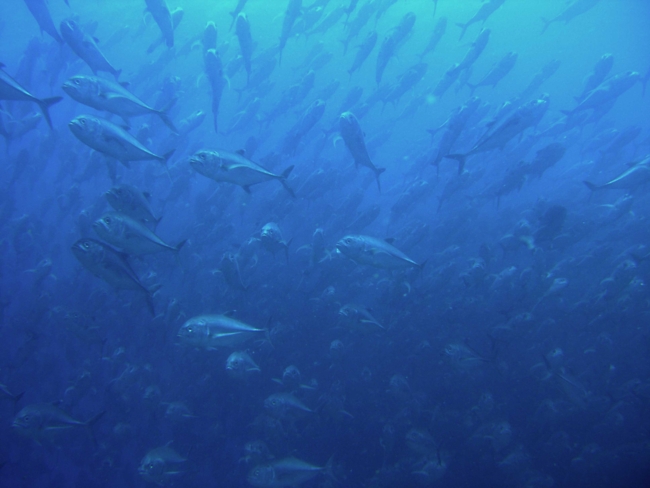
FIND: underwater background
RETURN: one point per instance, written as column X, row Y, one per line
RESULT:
column 374, row 243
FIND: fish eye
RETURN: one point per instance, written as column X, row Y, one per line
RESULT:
column 82, row 121
column 77, row 82
column 86, row 245
column 189, row 329
column 107, row 220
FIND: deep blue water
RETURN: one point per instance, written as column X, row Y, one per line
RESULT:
column 508, row 346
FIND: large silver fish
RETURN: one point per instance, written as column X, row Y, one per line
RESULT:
column 375, row 252
column 131, row 236
column 40, row 420
column 285, row 472
column 637, row 175
column 86, row 48
column 133, row 202
column 224, row 166
column 109, row 265
column 213, row 331
column 106, row 137
column 354, row 140
column 102, row 94
column 160, row 465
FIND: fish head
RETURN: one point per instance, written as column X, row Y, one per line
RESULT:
column 206, row 162
column 107, row 225
column 28, row 421
column 271, row 232
column 87, row 250
column 262, row 476
column 235, row 362
column 83, row 126
column 291, row 375
column 274, row 405
column 70, row 29
column 193, row 331
column 152, row 469
column 351, row 246
column 347, row 121
column 80, row 87
column 119, row 197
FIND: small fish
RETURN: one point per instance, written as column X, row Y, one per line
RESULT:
column 213, row 331
column 239, row 365
column 354, row 140
column 360, row 318
column 280, row 404
column 637, row 175
column 86, row 48
column 271, row 238
column 286, row 472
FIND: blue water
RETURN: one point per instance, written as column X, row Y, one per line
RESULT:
column 509, row 346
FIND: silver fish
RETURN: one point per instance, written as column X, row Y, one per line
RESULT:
column 375, row 252
column 223, row 166
column 39, row 420
column 213, row 331
column 285, row 472
column 160, row 465
column 354, row 140
column 131, row 236
column 632, row 178
column 131, row 201
column 86, row 48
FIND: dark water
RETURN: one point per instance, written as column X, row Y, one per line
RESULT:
column 507, row 346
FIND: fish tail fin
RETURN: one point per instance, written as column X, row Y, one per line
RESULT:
column 117, row 73
column 156, row 222
column 90, row 423
column 45, row 104
column 179, row 246
column 461, row 158
column 464, row 29
column 328, row 469
column 165, row 160
column 283, row 180
column 164, row 116
column 546, row 24
column 378, row 172
column 590, row 185
column 17, row 398
column 422, row 265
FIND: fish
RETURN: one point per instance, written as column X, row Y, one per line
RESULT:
column 486, row 9
column 271, row 238
column 365, row 218
column 235, row 13
column 111, row 266
column 214, row 70
column 386, row 52
column 243, row 31
column 111, row 139
column 236, row 168
column 354, row 140
column 597, row 76
column 160, row 465
column 280, row 404
column 214, row 331
column 574, row 9
column 86, row 48
column 630, row 179
column 40, row 420
column 359, row 318
column 102, row 94
column 497, row 73
column 448, row 79
column 239, row 364
column 606, row 92
column 130, row 235
column 526, row 116
column 163, row 17
column 475, row 50
column 375, row 252
column 40, row 12
column 291, row 14
column 10, row 89
column 5, row 394
column 436, row 34
column 285, row 472
column 177, row 16
column 133, row 202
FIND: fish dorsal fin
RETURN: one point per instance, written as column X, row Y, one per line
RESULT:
column 241, row 152
column 229, row 313
column 389, row 240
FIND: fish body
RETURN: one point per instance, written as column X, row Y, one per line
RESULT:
column 354, row 140
column 280, row 404
column 475, row 50
column 239, row 365
column 223, row 166
column 229, row 268
column 486, row 9
column 106, row 137
column 130, row 235
column 214, row 70
column 243, row 31
column 39, row 420
column 574, row 9
column 448, row 79
column 11, row 90
column 163, row 17
column 498, row 72
column 437, row 33
column 160, row 465
column 291, row 14
column 235, row 13
column 131, row 201
column 359, row 318
column 386, row 52
column 214, row 331
column 102, row 94
column 40, row 12
column 106, row 263
column 284, row 472
column 271, row 238
column 86, row 48
column 630, row 179
column 526, row 116
column 597, row 76
column 607, row 91
column 374, row 252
